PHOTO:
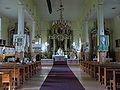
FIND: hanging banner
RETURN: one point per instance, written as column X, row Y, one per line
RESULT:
column 19, row 41
column 103, row 43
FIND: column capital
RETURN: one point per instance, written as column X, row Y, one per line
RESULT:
column 100, row 2
column 85, row 22
column 34, row 22
column 20, row 5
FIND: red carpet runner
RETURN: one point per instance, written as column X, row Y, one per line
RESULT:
column 61, row 78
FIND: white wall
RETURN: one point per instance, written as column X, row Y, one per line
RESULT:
column 116, row 31
column 4, row 28
column 76, row 32
column 44, row 26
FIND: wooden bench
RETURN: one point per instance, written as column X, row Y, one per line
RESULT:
column 115, row 81
column 1, row 85
column 94, row 70
column 101, row 70
column 6, row 79
column 107, row 73
column 18, row 73
column 90, row 67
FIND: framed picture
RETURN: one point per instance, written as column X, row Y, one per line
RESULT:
column 0, row 41
column 19, row 40
column 117, row 42
column 103, row 43
column 4, row 42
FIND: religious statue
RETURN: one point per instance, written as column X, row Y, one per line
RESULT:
column 60, row 52
column 73, row 54
column 102, row 41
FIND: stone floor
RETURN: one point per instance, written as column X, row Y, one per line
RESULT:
column 36, row 81
column 87, row 82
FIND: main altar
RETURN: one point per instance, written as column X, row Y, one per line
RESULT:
column 59, row 55
column 60, row 34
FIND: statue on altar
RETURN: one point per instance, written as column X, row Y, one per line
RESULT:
column 73, row 54
column 60, row 52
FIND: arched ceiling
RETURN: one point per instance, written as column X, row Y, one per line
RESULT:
column 72, row 9
column 111, row 8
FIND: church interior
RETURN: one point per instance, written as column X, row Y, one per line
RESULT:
column 59, row 44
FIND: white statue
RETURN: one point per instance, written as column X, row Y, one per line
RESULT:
column 60, row 52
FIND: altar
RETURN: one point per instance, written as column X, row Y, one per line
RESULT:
column 59, row 57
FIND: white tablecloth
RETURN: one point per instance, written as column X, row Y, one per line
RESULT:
column 59, row 57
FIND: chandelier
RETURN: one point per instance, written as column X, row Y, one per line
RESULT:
column 61, row 24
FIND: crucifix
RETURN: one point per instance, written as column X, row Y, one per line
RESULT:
column 61, row 10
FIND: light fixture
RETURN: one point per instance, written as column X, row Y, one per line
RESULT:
column 113, row 7
column 61, row 24
column 7, row 8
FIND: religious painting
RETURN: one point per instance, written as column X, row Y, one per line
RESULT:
column 103, row 43
column 117, row 43
column 19, row 40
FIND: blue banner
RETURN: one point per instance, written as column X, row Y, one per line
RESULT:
column 103, row 43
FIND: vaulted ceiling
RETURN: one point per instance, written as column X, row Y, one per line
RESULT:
column 72, row 9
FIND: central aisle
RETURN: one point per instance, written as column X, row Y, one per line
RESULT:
column 35, row 82
column 61, row 78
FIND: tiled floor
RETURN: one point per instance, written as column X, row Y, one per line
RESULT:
column 36, row 81
column 86, row 80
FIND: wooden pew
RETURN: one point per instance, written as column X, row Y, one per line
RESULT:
column 1, row 85
column 6, row 79
column 101, row 70
column 94, row 69
column 90, row 67
column 115, row 82
column 17, row 73
column 20, row 72
column 107, row 74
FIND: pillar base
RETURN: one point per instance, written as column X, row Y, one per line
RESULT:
column 86, row 56
column 19, row 55
column 101, row 57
